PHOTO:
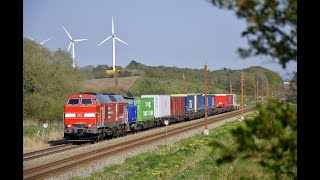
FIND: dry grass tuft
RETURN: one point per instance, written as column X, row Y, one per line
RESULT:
column 40, row 140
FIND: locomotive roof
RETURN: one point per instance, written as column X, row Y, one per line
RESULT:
column 111, row 98
column 126, row 97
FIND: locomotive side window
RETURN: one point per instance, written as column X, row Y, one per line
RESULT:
column 73, row 101
column 86, row 101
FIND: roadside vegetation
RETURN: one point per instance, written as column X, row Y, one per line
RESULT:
column 191, row 158
column 248, row 149
column 36, row 137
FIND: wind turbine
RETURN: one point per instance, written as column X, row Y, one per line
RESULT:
column 72, row 43
column 41, row 41
column 114, row 37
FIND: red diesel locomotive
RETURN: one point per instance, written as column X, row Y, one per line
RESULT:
column 92, row 116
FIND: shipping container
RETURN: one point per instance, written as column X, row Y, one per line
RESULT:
column 177, row 104
column 209, row 97
column 131, row 108
column 220, row 100
column 189, row 104
column 213, row 104
column 234, row 99
column 145, row 108
column 161, row 105
column 197, row 101
column 229, row 99
column 132, row 113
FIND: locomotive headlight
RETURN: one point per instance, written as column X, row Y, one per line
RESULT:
column 70, row 115
column 89, row 125
column 69, row 125
column 89, row 115
column 80, row 95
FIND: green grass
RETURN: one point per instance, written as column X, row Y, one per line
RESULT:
column 191, row 158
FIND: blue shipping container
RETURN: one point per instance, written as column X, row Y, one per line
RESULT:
column 189, row 104
column 209, row 96
column 132, row 112
column 198, row 103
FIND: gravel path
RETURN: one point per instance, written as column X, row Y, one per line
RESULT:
column 86, row 170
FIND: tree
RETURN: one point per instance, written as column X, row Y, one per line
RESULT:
column 272, row 27
column 271, row 136
column 48, row 79
column 271, row 31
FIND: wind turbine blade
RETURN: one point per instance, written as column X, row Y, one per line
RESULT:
column 69, row 46
column 67, row 33
column 105, row 40
column 77, row 40
column 112, row 27
column 121, row 40
column 45, row 40
column 30, row 38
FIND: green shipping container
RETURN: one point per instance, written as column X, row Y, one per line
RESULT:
column 145, row 108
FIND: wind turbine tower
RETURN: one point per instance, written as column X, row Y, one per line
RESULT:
column 114, row 37
column 72, row 43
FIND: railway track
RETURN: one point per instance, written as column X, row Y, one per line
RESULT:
column 63, row 165
column 49, row 151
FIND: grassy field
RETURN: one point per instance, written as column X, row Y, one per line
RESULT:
column 191, row 158
column 108, row 83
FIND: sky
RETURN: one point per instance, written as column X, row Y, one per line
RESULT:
column 185, row 34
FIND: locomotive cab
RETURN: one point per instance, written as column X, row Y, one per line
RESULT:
column 81, row 117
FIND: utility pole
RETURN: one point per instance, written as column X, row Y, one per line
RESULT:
column 262, row 90
column 206, row 131
column 267, row 89
column 116, row 80
column 185, row 85
column 241, row 95
column 255, row 92
column 230, row 87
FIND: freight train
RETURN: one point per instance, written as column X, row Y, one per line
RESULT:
column 96, row 116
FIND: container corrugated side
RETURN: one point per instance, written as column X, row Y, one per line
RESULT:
column 220, row 100
column 177, row 105
column 198, row 102
column 132, row 112
column 145, row 108
column 229, row 99
column 213, row 105
column 189, row 104
column 209, row 97
column 234, row 99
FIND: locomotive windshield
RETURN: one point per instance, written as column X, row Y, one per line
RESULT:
column 73, row 101
column 86, row 101
column 83, row 101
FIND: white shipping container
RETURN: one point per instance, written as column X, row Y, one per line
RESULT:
column 234, row 99
column 161, row 105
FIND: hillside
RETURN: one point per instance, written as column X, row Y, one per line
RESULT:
column 169, row 80
column 124, row 83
